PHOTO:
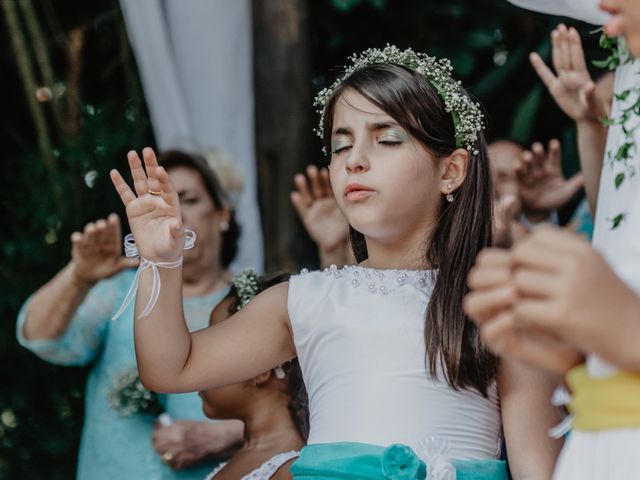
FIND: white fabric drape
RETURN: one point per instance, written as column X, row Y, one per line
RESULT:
column 195, row 61
column 585, row 10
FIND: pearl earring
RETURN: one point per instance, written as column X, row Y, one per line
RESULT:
column 449, row 195
column 224, row 226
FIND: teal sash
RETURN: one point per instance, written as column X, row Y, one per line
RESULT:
column 360, row 461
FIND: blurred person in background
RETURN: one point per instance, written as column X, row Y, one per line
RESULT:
column 68, row 322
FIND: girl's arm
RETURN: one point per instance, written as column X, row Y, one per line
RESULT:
column 170, row 359
column 527, row 415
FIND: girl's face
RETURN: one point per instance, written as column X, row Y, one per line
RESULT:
column 200, row 214
column 625, row 21
column 386, row 183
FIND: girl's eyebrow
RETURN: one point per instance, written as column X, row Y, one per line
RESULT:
column 382, row 125
column 374, row 126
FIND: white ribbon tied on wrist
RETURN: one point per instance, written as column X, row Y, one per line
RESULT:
column 131, row 250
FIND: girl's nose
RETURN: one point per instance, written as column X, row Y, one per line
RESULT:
column 358, row 160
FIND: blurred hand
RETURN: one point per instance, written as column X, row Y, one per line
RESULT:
column 540, row 181
column 491, row 304
column 97, row 251
column 187, row 442
column 314, row 201
column 506, row 229
column 571, row 87
column 153, row 210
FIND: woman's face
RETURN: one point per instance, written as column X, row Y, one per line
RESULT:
column 386, row 183
column 625, row 21
column 199, row 214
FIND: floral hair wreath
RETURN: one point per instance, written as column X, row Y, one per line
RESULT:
column 467, row 114
column 246, row 283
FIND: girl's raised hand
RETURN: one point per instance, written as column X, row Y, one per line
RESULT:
column 153, row 210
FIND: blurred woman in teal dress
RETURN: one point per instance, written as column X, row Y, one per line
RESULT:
column 68, row 322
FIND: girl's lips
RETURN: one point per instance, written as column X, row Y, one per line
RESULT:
column 357, row 191
column 356, row 195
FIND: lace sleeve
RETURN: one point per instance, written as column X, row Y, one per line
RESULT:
column 81, row 342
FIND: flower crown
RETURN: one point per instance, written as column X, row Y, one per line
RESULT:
column 246, row 283
column 467, row 114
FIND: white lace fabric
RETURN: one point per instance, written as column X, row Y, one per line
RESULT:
column 266, row 470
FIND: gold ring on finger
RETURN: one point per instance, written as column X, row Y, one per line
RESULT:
column 154, row 192
column 167, row 457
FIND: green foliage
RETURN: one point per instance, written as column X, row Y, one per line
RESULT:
column 41, row 405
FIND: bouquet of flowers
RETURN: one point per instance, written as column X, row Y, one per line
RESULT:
column 129, row 396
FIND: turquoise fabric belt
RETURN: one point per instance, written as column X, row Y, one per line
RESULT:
column 360, row 461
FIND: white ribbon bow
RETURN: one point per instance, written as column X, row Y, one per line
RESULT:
column 131, row 250
column 435, row 452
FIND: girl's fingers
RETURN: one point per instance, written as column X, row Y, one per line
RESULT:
column 499, row 333
column 536, row 257
column 298, row 203
column 151, row 166
column 314, row 180
column 575, row 183
column 302, row 186
column 169, row 193
column 538, row 155
column 115, row 231
column 126, row 194
column 556, row 54
column 101, row 235
column 576, row 52
column 483, row 304
column 536, row 313
column 488, row 277
column 555, row 154
column 534, row 283
column 544, row 72
column 563, row 44
column 138, row 174
column 326, row 181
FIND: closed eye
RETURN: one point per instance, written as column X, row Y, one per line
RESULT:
column 338, row 150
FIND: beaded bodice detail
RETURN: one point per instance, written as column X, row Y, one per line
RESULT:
column 382, row 282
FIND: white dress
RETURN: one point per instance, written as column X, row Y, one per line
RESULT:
column 359, row 334
column 607, row 454
column 265, row 471
column 612, row 453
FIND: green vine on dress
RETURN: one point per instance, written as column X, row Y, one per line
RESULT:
column 620, row 158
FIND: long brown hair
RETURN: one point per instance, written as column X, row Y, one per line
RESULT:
column 463, row 227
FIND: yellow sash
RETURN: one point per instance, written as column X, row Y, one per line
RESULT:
column 604, row 403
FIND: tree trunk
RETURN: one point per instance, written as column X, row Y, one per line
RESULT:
column 283, row 122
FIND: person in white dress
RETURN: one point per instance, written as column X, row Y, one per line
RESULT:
column 399, row 383
column 554, row 300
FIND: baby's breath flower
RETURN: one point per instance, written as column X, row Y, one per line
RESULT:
column 129, row 396
column 467, row 114
column 246, row 283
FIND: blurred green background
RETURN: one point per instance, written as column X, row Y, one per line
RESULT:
column 57, row 154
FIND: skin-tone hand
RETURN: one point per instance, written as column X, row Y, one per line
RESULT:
column 97, row 251
column 318, row 210
column 571, row 85
column 491, row 303
column 541, row 184
column 555, row 284
column 154, row 218
column 185, row 443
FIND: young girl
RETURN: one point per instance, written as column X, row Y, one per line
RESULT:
column 272, row 405
column 396, row 374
